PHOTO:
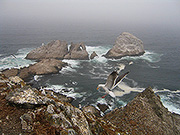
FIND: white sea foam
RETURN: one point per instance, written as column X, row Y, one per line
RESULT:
column 37, row 77
column 100, row 50
column 148, row 56
column 171, row 106
column 68, row 91
column 16, row 60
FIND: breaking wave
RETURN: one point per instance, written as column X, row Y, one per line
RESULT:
column 16, row 60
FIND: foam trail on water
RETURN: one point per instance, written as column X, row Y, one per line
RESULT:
column 68, row 91
column 148, row 56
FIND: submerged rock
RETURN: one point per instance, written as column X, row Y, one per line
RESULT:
column 126, row 45
column 145, row 114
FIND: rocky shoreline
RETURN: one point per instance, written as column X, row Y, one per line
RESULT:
column 27, row 110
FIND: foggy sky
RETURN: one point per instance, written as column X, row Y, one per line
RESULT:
column 157, row 12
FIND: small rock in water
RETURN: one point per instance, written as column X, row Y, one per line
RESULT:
column 103, row 107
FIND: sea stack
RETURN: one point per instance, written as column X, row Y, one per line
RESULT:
column 126, row 45
column 59, row 50
column 55, row 49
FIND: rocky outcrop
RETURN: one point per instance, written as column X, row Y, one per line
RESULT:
column 145, row 114
column 93, row 55
column 77, row 51
column 55, row 49
column 49, row 113
column 29, row 97
column 45, row 66
column 51, row 116
column 126, row 45
column 59, row 50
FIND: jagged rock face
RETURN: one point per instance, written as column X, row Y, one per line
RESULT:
column 59, row 50
column 77, row 51
column 10, row 83
column 145, row 114
column 93, row 55
column 31, row 97
column 55, row 49
column 59, row 117
column 126, row 45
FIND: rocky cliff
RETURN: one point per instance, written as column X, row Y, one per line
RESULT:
column 145, row 114
column 126, row 45
column 26, row 110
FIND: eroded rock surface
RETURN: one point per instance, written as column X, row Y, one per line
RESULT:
column 126, row 45
column 77, row 51
column 59, row 50
column 55, row 49
column 145, row 114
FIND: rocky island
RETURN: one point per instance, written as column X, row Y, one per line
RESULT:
column 26, row 110
column 126, row 45
column 59, row 50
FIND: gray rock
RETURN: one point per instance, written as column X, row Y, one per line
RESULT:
column 47, row 66
column 59, row 50
column 126, row 45
column 55, row 49
column 93, row 55
column 77, row 51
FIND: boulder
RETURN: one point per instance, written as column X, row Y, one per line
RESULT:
column 55, row 49
column 145, row 114
column 93, row 55
column 126, row 45
column 47, row 66
column 77, row 51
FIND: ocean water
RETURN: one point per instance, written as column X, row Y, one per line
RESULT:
column 159, row 67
